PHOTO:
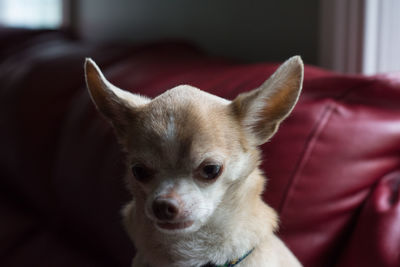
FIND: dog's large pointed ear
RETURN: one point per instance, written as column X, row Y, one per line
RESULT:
column 260, row 111
column 117, row 105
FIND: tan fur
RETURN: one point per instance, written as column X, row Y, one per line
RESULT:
column 177, row 133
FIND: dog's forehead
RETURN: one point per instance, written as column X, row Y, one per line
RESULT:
column 184, row 106
column 183, row 111
column 187, row 94
column 181, row 120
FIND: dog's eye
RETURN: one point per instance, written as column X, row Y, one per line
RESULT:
column 141, row 172
column 211, row 171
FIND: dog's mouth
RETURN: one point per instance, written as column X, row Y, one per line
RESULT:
column 175, row 226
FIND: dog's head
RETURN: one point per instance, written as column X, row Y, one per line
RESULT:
column 187, row 149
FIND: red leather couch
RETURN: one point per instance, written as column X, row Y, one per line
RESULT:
column 333, row 167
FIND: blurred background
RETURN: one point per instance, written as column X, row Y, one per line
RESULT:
column 358, row 36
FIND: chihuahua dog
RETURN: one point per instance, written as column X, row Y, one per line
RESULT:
column 193, row 162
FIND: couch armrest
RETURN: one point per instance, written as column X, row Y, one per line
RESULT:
column 376, row 239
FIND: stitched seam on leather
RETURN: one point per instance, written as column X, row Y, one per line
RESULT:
column 309, row 145
column 305, row 155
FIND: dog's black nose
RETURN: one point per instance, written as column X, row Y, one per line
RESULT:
column 165, row 209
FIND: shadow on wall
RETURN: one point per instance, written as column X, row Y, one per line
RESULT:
column 255, row 30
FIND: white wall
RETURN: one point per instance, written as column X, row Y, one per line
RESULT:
column 253, row 30
column 360, row 36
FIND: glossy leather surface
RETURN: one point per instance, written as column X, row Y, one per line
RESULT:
column 332, row 167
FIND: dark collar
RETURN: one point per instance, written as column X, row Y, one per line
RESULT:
column 231, row 263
